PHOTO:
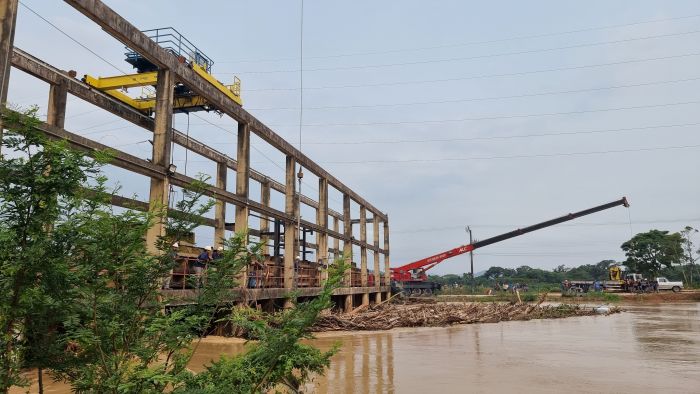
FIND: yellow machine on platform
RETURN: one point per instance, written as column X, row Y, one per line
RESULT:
column 185, row 100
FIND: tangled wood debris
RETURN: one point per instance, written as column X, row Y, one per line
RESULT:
column 388, row 316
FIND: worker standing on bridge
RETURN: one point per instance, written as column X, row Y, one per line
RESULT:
column 218, row 253
column 201, row 264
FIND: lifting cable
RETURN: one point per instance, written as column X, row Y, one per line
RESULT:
column 300, row 174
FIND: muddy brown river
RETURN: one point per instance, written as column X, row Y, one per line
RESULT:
column 647, row 349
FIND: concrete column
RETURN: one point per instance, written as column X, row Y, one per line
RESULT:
column 290, row 229
column 387, row 271
column 336, row 241
column 264, row 222
column 242, row 185
column 162, row 137
column 322, row 221
column 347, row 233
column 347, row 248
column 242, row 175
column 56, row 111
column 220, row 208
column 8, row 19
column 363, row 254
column 377, row 281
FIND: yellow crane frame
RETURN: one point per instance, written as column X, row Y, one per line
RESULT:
column 114, row 86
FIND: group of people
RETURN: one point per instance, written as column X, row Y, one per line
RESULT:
column 511, row 287
column 199, row 266
column 642, row 286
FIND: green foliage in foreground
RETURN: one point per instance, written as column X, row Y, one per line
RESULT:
column 79, row 294
column 278, row 357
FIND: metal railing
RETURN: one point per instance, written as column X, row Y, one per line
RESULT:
column 172, row 41
column 355, row 278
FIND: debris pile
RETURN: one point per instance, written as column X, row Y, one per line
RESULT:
column 387, row 316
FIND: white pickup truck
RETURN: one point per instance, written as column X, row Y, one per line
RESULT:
column 665, row 284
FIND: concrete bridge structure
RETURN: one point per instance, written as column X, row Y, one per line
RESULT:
column 360, row 286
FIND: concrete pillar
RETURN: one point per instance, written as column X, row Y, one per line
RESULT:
column 162, row 138
column 290, row 229
column 264, row 222
column 347, row 234
column 8, row 20
column 242, row 184
column 348, row 303
column 242, row 176
column 387, row 271
column 377, row 281
column 220, row 208
column 336, row 241
column 322, row 221
column 347, row 248
column 56, row 111
column 363, row 254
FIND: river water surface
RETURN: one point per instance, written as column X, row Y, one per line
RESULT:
column 647, row 349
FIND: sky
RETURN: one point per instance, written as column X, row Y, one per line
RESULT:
column 443, row 114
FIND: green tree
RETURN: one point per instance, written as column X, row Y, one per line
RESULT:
column 79, row 294
column 277, row 359
column 690, row 254
column 39, row 180
column 649, row 252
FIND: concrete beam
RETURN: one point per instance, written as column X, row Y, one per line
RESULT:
column 125, row 32
column 180, row 297
column 49, row 74
column 52, row 75
column 146, row 168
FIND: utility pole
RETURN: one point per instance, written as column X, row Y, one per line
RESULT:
column 471, row 258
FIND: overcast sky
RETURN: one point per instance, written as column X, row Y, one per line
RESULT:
column 443, row 114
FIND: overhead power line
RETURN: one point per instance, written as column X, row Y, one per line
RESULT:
column 482, row 76
column 461, row 227
column 493, row 137
column 503, row 137
column 542, row 155
column 457, row 120
column 486, row 98
column 470, row 43
column 465, row 58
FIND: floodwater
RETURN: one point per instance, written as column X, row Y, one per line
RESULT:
column 647, row 349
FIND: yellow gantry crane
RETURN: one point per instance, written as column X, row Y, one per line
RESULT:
column 185, row 100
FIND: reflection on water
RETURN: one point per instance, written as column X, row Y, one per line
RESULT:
column 649, row 349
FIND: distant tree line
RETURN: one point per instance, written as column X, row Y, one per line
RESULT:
column 653, row 253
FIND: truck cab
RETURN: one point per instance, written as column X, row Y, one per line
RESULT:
column 665, row 284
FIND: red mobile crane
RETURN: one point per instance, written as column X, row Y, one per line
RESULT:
column 412, row 278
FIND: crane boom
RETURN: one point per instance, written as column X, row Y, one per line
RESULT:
column 416, row 270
